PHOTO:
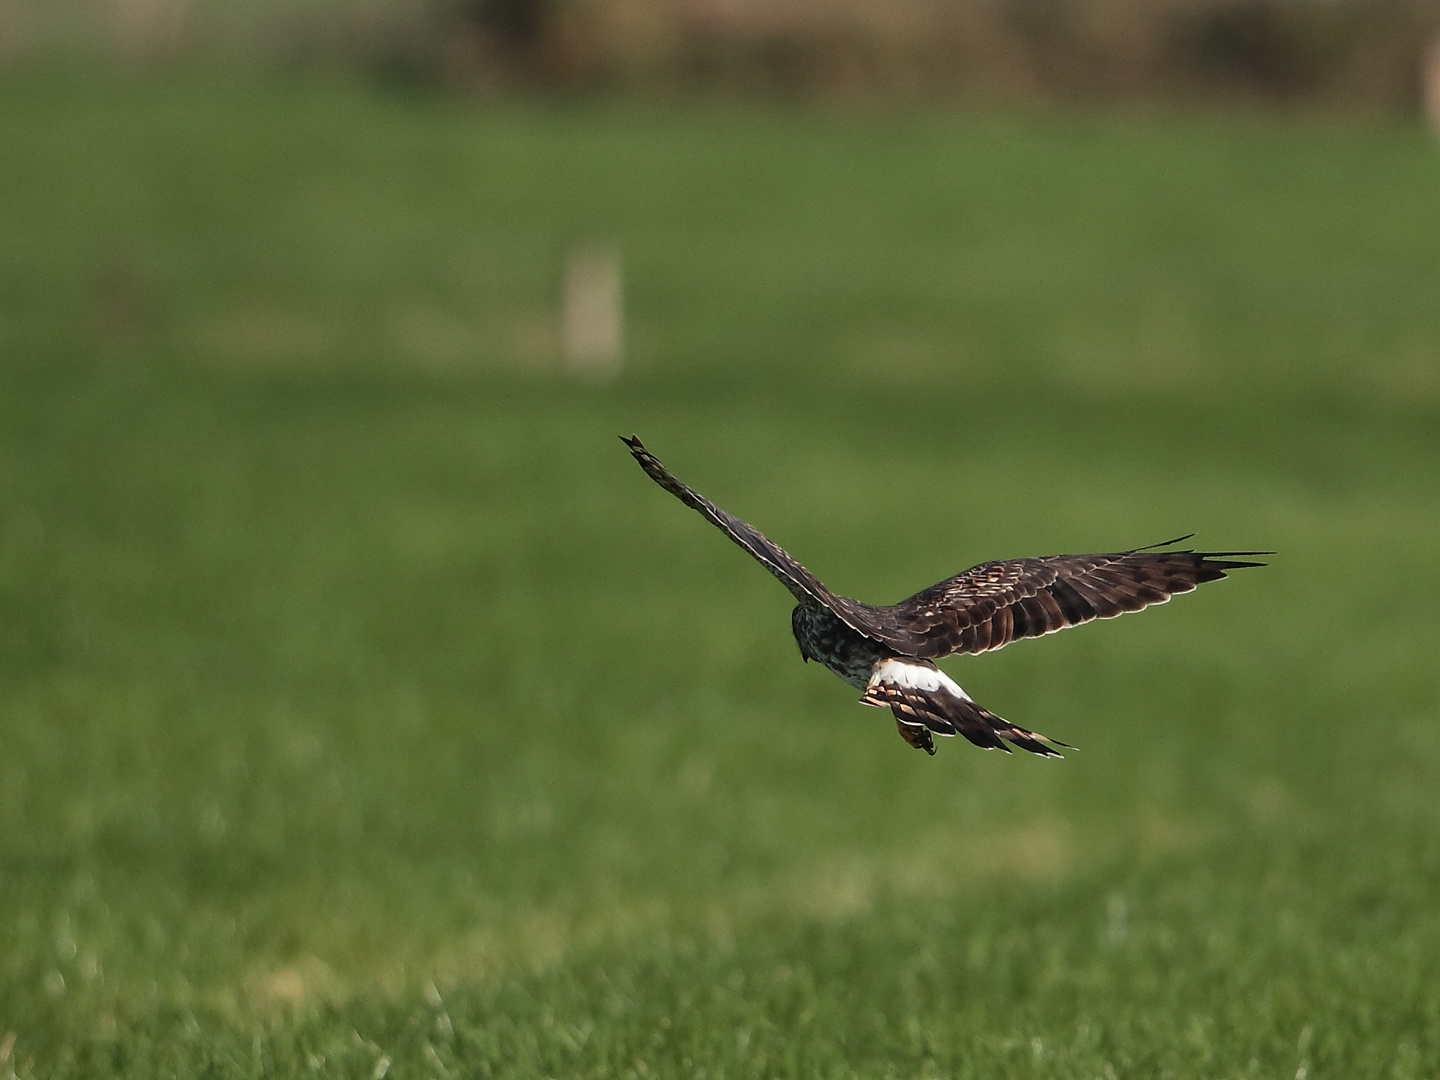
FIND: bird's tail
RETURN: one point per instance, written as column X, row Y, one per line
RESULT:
column 925, row 700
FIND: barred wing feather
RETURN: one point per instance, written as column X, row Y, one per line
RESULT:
column 995, row 603
column 803, row 585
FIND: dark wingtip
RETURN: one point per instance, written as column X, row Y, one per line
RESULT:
column 1220, row 561
column 1207, row 556
column 1164, row 543
column 633, row 442
column 1215, row 561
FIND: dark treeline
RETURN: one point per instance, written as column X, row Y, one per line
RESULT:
column 1364, row 53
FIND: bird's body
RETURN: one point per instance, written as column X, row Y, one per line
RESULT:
column 888, row 651
column 824, row 637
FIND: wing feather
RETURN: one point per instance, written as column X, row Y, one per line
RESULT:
column 989, row 605
column 1074, row 608
column 995, row 603
column 803, row 585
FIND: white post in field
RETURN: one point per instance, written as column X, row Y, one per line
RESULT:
column 1430, row 85
column 144, row 29
column 592, row 321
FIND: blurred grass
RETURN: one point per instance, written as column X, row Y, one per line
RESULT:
column 362, row 705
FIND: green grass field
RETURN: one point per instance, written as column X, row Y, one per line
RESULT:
column 364, row 711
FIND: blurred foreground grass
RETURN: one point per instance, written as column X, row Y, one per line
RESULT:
column 363, row 708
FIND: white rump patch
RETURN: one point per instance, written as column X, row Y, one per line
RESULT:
column 916, row 676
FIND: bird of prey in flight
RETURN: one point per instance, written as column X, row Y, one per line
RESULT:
column 888, row 651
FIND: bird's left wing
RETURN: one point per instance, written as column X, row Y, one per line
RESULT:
column 805, row 587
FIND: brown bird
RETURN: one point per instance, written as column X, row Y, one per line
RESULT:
column 888, row 650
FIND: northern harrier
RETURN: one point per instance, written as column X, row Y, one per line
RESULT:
column 887, row 651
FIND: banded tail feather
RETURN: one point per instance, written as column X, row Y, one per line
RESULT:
column 924, row 699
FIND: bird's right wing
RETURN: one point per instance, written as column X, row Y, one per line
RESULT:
column 995, row 603
column 803, row 585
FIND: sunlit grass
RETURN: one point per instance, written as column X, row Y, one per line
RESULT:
column 364, row 710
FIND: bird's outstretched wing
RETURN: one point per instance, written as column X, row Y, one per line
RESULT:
column 987, row 606
column 995, row 603
column 802, row 584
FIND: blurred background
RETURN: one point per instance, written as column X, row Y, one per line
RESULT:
column 1347, row 53
column 365, row 711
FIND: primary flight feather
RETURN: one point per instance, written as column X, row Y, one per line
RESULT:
column 887, row 650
